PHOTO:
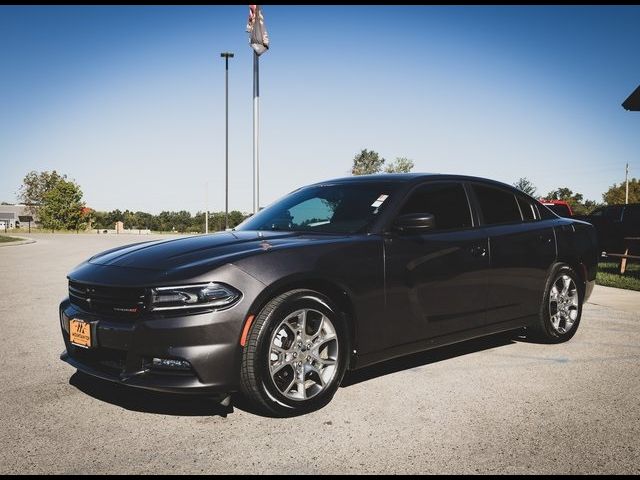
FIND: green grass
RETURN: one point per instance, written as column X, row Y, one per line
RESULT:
column 6, row 239
column 609, row 275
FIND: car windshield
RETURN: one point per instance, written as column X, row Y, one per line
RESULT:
column 332, row 208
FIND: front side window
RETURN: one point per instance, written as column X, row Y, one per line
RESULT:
column 497, row 205
column 446, row 201
column 333, row 208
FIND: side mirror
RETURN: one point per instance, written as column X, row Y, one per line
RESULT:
column 414, row 222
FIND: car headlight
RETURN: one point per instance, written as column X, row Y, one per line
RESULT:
column 204, row 295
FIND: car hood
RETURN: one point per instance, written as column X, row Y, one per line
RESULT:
column 206, row 251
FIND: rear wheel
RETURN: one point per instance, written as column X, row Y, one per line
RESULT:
column 296, row 354
column 561, row 307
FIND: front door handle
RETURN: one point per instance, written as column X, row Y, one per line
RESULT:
column 478, row 251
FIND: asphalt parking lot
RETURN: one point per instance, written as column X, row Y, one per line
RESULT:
column 495, row 405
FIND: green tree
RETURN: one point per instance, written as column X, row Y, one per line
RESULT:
column 35, row 186
column 400, row 165
column 236, row 218
column 565, row 194
column 216, row 221
column 62, row 207
column 107, row 220
column 366, row 162
column 182, row 221
column 590, row 206
column 525, row 185
column 616, row 193
column 146, row 221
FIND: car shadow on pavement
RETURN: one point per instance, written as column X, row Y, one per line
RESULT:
column 197, row 405
column 139, row 400
column 430, row 356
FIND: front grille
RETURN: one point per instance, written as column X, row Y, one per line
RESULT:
column 126, row 302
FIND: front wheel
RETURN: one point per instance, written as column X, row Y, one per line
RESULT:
column 295, row 355
column 561, row 307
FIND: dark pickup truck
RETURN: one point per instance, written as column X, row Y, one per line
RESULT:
column 613, row 223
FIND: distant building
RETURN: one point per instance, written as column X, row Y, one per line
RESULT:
column 10, row 215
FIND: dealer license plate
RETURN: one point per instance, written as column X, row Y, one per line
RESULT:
column 80, row 333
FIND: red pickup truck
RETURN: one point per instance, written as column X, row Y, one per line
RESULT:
column 559, row 207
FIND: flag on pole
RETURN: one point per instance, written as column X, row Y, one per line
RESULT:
column 258, row 38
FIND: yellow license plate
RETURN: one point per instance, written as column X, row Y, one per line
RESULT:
column 80, row 333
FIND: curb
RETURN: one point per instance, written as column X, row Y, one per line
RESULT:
column 23, row 241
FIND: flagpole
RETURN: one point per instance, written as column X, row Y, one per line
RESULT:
column 256, row 127
column 259, row 41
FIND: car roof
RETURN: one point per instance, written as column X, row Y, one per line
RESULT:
column 378, row 177
column 411, row 178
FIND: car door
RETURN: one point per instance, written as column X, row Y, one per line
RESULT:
column 436, row 280
column 522, row 248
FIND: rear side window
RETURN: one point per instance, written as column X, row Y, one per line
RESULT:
column 446, row 201
column 498, row 206
column 527, row 209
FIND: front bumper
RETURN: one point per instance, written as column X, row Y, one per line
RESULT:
column 123, row 348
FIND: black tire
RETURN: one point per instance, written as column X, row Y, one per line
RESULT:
column 543, row 329
column 257, row 385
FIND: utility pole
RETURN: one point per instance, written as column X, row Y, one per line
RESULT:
column 626, row 181
column 226, row 56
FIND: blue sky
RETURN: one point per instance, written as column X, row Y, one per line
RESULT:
column 129, row 101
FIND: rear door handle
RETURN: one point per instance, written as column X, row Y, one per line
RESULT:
column 478, row 251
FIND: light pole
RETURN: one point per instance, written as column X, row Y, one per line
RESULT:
column 227, row 56
column 206, row 207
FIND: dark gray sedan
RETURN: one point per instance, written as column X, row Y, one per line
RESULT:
column 334, row 276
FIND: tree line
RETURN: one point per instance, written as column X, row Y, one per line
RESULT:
column 58, row 203
column 370, row 161
column 615, row 195
column 181, row 221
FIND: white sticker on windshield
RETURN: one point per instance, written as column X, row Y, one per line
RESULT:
column 380, row 200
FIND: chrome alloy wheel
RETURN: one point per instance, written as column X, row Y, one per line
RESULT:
column 303, row 354
column 563, row 304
